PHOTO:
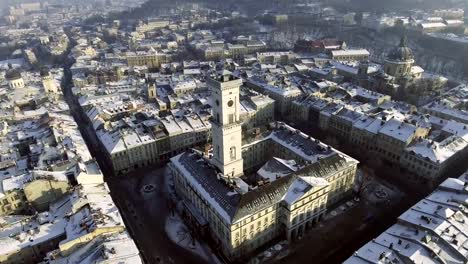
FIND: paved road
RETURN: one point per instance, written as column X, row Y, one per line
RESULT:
column 146, row 215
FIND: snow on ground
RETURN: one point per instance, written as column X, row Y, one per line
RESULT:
column 339, row 210
column 379, row 192
column 272, row 254
column 179, row 233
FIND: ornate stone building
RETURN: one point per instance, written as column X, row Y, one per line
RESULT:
column 400, row 60
column 400, row 75
column 251, row 191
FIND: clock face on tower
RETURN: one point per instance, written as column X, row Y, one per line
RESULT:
column 230, row 103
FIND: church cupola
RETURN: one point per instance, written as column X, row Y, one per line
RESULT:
column 14, row 78
column 48, row 81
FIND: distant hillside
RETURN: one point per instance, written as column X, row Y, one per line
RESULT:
column 251, row 7
column 391, row 5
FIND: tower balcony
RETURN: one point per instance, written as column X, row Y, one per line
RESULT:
column 225, row 126
column 224, row 81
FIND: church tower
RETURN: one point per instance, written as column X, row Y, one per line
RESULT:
column 48, row 81
column 226, row 126
column 152, row 92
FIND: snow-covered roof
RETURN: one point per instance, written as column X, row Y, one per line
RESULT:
column 350, row 52
column 429, row 25
column 398, row 130
column 438, row 152
column 302, row 186
column 64, row 218
column 16, row 182
column 116, row 248
column 112, row 141
column 440, row 108
column 416, row 69
column 435, row 230
column 280, row 90
column 276, row 167
column 454, row 22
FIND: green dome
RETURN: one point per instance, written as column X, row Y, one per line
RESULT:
column 44, row 72
column 13, row 74
column 402, row 52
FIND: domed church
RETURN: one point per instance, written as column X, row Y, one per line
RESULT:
column 400, row 77
column 400, row 60
column 14, row 78
column 399, row 71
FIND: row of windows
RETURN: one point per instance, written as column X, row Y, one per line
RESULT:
column 350, row 57
column 309, row 208
column 310, row 198
column 422, row 163
column 203, row 206
column 306, row 216
column 187, row 139
column 257, row 242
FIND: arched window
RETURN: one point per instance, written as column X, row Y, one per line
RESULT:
column 232, row 152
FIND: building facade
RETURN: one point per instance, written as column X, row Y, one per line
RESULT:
column 149, row 59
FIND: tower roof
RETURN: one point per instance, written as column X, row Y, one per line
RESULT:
column 402, row 52
column 12, row 74
column 44, row 72
column 223, row 76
